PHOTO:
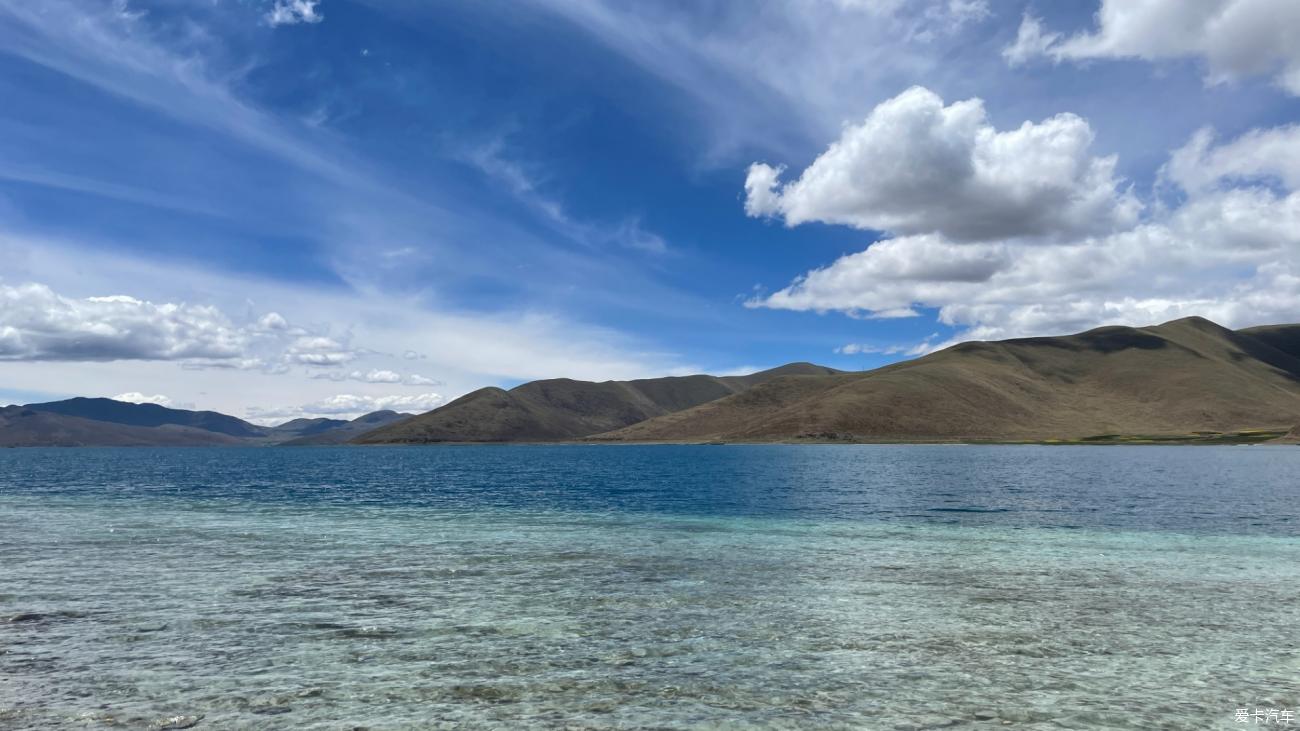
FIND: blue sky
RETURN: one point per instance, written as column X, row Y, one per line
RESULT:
column 287, row 207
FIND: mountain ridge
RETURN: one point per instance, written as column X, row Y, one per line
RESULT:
column 22, row 426
column 562, row 409
column 148, row 415
column 83, row 421
column 1187, row 380
column 1184, row 376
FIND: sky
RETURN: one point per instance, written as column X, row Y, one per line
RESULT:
column 284, row 208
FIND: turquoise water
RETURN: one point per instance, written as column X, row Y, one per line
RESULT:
column 773, row 587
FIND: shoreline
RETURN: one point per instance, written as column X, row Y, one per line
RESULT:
column 1269, row 436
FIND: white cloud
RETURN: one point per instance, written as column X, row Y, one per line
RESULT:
column 1234, row 38
column 869, row 349
column 762, row 193
column 958, row 13
column 1229, row 252
column 317, row 185
column 319, row 350
column 273, row 321
column 135, row 397
column 774, row 75
column 1031, row 41
column 38, row 324
column 465, row 349
column 916, row 166
column 292, row 12
column 376, row 375
column 628, row 233
column 237, row 364
column 886, row 278
column 348, row 406
column 382, row 376
column 1269, row 155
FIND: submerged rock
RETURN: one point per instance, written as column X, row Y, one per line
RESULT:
column 176, row 722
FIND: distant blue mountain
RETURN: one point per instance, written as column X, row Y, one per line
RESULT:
column 120, row 412
column 105, row 422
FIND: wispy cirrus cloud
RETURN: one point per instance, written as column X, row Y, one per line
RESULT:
column 628, row 233
column 382, row 252
column 777, row 75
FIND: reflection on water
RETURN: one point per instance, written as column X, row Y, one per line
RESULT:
column 576, row 588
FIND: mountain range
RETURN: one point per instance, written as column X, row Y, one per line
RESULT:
column 1188, row 380
column 562, row 409
column 101, row 422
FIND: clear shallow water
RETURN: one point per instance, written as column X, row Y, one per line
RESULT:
column 649, row 587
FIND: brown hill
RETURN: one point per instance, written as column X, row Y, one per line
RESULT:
column 22, row 426
column 563, row 409
column 1181, row 377
column 1285, row 338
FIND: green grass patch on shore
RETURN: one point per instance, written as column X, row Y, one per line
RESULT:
column 1245, row 436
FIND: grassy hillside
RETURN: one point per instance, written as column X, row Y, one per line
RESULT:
column 563, row 409
column 1182, row 377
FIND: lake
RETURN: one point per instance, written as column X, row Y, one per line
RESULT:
column 649, row 587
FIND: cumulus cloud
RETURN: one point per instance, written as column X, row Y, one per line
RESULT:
column 1234, row 38
column 1230, row 251
column 292, row 12
column 273, row 322
column 319, row 350
column 885, row 279
column 38, row 324
column 135, row 397
column 916, row 166
column 382, row 376
column 349, row 406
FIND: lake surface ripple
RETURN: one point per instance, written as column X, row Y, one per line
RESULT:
column 649, row 587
